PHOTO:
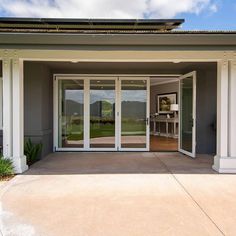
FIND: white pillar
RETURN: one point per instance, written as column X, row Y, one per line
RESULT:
column 225, row 161
column 19, row 159
column 7, row 107
column 232, row 110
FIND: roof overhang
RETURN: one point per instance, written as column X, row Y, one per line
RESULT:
column 41, row 39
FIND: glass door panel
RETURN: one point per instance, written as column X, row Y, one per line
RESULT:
column 71, row 113
column 102, row 113
column 133, row 113
column 187, row 114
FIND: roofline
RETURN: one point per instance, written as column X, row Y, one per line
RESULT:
column 34, row 24
column 86, row 20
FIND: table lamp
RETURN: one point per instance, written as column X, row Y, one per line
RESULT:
column 174, row 108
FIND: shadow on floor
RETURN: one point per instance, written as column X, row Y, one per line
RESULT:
column 121, row 163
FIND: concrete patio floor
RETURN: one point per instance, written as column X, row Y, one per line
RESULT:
column 119, row 194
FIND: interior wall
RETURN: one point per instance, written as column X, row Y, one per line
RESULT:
column 172, row 87
column 38, row 105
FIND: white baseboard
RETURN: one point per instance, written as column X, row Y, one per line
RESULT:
column 225, row 165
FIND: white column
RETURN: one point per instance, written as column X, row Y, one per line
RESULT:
column 7, row 107
column 224, row 162
column 19, row 159
column 232, row 110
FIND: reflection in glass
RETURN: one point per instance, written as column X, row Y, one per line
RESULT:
column 102, row 113
column 133, row 113
column 187, row 114
column 71, row 113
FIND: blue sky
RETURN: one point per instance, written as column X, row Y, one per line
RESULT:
column 198, row 14
column 224, row 18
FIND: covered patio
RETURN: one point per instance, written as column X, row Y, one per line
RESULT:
column 121, row 163
column 31, row 74
column 120, row 194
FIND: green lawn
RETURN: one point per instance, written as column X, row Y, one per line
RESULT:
column 106, row 130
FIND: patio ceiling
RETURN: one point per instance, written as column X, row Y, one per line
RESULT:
column 151, row 68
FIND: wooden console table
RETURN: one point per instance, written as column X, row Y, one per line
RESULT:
column 167, row 121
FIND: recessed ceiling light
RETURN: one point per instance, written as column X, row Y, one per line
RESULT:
column 74, row 61
column 176, row 61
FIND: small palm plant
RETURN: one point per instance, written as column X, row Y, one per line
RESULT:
column 6, row 167
column 32, row 151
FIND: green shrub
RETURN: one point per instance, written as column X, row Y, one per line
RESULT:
column 6, row 167
column 32, row 151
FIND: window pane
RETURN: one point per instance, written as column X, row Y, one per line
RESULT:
column 71, row 113
column 102, row 113
column 133, row 113
column 187, row 114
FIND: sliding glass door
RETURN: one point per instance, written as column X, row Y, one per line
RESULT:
column 101, row 113
column 134, row 120
column 71, row 113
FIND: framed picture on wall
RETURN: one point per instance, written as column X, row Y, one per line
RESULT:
column 164, row 101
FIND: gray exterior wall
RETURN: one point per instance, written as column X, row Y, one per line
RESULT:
column 206, row 111
column 38, row 105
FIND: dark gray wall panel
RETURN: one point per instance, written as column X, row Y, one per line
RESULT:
column 38, row 105
column 206, row 111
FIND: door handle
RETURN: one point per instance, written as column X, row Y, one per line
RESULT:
column 192, row 122
column 147, row 121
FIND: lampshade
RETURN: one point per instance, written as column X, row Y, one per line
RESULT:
column 174, row 107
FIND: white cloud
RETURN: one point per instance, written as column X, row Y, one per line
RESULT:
column 213, row 8
column 104, row 8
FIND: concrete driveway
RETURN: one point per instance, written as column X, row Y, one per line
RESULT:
column 119, row 194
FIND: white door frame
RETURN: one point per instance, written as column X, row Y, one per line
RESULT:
column 192, row 154
column 86, row 79
column 56, row 79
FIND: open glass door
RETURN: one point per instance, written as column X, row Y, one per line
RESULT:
column 134, row 114
column 187, row 114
